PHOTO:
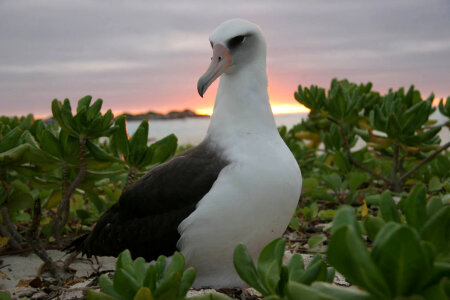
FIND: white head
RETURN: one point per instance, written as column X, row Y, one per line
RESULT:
column 236, row 43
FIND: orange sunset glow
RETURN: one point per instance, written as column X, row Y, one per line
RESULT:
column 278, row 107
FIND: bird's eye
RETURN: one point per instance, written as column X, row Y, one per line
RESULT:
column 237, row 40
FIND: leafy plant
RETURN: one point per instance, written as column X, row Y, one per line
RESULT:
column 270, row 277
column 135, row 152
column 5, row 296
column 400, row 264
column 67, row 167
column 396, row 126
column 430, row 219
column 161, row 280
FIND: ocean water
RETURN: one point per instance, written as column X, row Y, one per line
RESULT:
column 193, row 130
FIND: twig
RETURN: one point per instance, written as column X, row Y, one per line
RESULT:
column 424, row 161
column 64, row 206
column 350, row 155
column 69, row 260
column 12, row 242
column 35, row 242
column 130, row 178
column 15, row 235
column 394, row 182
column 26, row 250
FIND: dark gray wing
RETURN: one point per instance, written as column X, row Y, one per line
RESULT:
column 147, row 215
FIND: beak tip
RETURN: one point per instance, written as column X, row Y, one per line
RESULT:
column 201, row 88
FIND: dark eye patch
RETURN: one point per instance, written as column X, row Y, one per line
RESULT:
column 236, row 41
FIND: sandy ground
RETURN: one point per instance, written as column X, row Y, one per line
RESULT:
column 19, row 273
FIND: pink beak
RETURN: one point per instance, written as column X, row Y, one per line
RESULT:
column 220, row 62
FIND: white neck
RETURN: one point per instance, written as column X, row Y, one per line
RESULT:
column 242, row 104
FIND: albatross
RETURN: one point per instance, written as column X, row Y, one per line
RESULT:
column 241, row 184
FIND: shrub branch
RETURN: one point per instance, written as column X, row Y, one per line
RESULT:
column 424, row 161
column 64, row 206
column 352, row 158
column 35, row 242
column 14, row 234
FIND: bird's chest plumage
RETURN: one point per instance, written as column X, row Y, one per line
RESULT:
column 251, row 201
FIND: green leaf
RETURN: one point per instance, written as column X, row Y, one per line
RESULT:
column 83, row 103
column 125, row 284
column 316, row 271
column 331, row 273
column 98, row 153
column 333, row 181
column 315, row 240
column 338, row 292
column 144, row 293
column 187, row 280
column 347, row 253
column 393, row 128
column 106, row 286
column 433, row 206
column 373, row 225
column 415, row 207
column 50, row 143
column 125, row 261
column 310, row 212
column 355, row 179
column 298, row 291
column 177, row 264
column 310, row 185
column 295, row 267
column 99, row 203
column 345, row 216
column 9, row 140
column 151, row 278
column 398, row 253
column 435, row 184
column 243, row 263
column 19, row 199
column 140, row 269
column 441, row 290
column 169, row 287
column 140, row 137
column 5, row 296
column 214, row 296
column 27, row 138
column 269, row 264
column 327, row 214
column 94, row 109
column 437, row 230
column 163, row 149
column 341, row 161
column 388, row 208
column 121, row 137
column 95, row 295
column 160, row 268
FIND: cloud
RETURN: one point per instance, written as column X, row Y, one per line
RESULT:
column 148, row 54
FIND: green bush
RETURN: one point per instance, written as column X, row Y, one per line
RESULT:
column 133, row 280
column 270, row 277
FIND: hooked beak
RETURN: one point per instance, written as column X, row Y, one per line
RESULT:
column 220, row 62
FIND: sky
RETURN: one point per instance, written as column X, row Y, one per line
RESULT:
column 148, row 55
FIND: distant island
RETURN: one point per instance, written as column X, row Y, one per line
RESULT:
column 151, row 115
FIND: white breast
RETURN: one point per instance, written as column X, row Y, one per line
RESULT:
column 252, row 201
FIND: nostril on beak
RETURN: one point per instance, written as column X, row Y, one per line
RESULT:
column 220, row 58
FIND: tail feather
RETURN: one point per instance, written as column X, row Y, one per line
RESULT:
column 77, row 245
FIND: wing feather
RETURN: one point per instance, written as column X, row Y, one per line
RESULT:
column 147, row 215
